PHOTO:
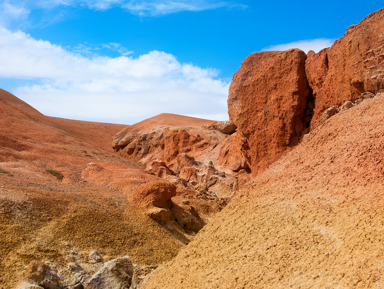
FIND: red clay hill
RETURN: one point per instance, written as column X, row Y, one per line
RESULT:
column 64, row 194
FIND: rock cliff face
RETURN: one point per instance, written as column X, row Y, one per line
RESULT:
column 267, row 101
column 353, row 65
column 275, row 97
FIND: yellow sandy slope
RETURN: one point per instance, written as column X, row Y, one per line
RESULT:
column 314, row 219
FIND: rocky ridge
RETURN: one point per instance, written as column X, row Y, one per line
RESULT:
column 186, row 155
column 275, row 98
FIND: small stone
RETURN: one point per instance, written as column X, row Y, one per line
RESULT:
column 94, row 257
column 379, row 94
column 115, row 274
column 329, row 112
column 27, row 285
column 366, row 95
column 224, row 127
column 160, row 214
column 73, row 267
column 346, row 105
column 43, row 275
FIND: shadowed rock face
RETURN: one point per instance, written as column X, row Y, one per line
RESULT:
column 267, row 102
column 353, row 65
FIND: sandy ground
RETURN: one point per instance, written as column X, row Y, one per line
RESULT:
column 314, row 219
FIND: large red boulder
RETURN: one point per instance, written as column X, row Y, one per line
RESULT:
column 267, row 101
column 353, row 65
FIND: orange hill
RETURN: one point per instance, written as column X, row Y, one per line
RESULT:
column 45, row 218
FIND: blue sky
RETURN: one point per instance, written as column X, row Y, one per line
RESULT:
column 126, row 60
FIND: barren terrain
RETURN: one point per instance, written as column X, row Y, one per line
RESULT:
column 52, row 217
column 314, row 219
column 287, row 194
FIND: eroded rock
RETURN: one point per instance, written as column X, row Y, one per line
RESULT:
column 161, row 215
column 225, row 127
column 353, row 65
column 267, row 101
column 187, row 217
column 234, row 153
column 154, row 194
column 115, row 274
column 43, row 275
column 94, row 257
column 27, row 285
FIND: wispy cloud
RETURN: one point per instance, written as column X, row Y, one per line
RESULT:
column 92, row 50
column 120, row 89
column 163, row 7
column 16, row 9
column 305, row 45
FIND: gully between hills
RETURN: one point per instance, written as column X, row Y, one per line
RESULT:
column 276, row 100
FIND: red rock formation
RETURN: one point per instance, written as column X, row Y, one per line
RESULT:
column 267, row 102
column 154, row 194
column 353, row 65
column 178, row 142
column 234, row 153
column 180, row 153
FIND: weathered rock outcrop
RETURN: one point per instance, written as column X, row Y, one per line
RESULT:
column 41, row 275
column 180, row 153
column 275, row 97
column 353, row 65
column 156, row 199
column 154, row 194
column 115, row 274
column 234, row 153
column 267, row 101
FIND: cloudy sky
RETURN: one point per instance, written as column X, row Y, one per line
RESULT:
column 126, row 60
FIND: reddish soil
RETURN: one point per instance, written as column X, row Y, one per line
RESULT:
column 44, row 218
column 64, row 190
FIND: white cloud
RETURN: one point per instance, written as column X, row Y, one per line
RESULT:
column 10, row 12
column 138, row 7
column 14, row 11
column 121, row 89
column 100, row 4
column 163, row 7
column 305, row 45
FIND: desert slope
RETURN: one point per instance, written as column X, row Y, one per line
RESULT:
column 314, row 219
column 62, row 221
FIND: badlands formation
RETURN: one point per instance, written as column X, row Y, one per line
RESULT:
column 287, row 194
